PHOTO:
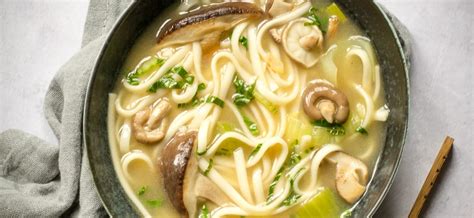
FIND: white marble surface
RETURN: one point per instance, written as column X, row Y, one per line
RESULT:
column 37, row 37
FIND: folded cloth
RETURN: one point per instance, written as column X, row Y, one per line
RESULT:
column 38, row 179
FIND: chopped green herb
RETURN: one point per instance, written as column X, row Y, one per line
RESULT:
column 244, row 92
column 244, row 41
column 195, row 100
column 155, row 202
column 142, row 190
column 251, row 125
column 292, row 196
column 201, row 86
column 334, row 129
column 133, row 80
column 200, row 153
column 183, row 74
column 204, row 212
column 317, row 19
column 362, row 130
column 146, row 67
column 167, row 81
column 209, row 167
column 255, row 150
column 271, row 190
column 294, row 158
column 215, row 100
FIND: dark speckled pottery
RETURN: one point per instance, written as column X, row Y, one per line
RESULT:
column 393, row 61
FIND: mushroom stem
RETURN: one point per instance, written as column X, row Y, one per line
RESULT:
column 351, row 176
column 327, row 109
column 321, row 100
column 333, row 25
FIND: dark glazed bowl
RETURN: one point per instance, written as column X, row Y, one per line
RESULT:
column 394, row 65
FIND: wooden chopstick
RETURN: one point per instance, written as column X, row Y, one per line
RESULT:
column 431, row 178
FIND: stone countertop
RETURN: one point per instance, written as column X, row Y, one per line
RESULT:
column 37, row 37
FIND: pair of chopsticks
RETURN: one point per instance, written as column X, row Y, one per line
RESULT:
column 432, row 176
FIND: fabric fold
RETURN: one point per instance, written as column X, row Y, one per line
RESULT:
column 39, row 179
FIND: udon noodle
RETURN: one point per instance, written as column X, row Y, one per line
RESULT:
column 269, row 108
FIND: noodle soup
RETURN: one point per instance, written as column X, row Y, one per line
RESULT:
column 248, row 109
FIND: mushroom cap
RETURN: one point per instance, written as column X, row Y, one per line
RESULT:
column 209, row 21
column 303, row 43
column 351, row 176
column 173, row 165
column 315, row 102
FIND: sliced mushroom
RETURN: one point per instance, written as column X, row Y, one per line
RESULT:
column 321, row 100
column 333, row 25
column 173, row 165
column 351, row 176
column 181, row 178
column 303, row 43
column 276, row 34
column 149, row 125
column 206, row 24
column 278, row 7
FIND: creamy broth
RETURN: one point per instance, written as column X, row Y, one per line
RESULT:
column 138, row 164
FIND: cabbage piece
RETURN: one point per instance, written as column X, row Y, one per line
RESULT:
column 307, row 136
column 223, row 127
column 333, row 9
column 325, row 204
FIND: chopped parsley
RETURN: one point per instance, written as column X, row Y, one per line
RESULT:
column 292, row 196
column 167, row 81
column 244, row 41
column 294, row 158
column 155, row 202
column 215, row 100
column 334, row 129
column 271, row 190
column 201, row 86
column 195, row 100
column 244, row 93
column 361, row 130
column 146, row 67
column 204, row 212
column 251, row 125
column 255, row 150
column 317, row 19
column 142, row 190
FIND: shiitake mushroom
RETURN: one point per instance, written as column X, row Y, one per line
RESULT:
column 321, row 100
column 206, row 24
column 174, row 161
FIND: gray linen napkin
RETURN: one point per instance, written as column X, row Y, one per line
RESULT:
column 38, row 179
